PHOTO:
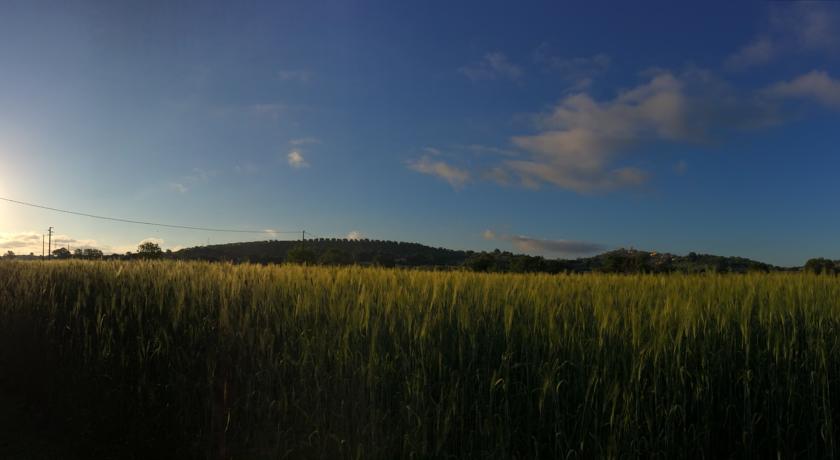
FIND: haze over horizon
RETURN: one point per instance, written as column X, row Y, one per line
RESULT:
column 555, row 130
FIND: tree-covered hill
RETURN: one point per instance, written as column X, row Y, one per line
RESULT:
column 333, row 251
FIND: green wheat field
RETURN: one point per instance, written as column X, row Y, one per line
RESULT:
column 200, row 360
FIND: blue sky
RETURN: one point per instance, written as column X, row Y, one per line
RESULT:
column 553, row 129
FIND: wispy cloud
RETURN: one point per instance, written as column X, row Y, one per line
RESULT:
column 298, row 75
column 562, row 247
column 539, row 246
column 305, row 141
column 246, row 168
column 584, row 144
column 178, row 187
column 791, row 28
column 809, row 24
column 577, row 72
column 589, row 145
column 533, row 173
column 759, row 51
column 815, row 85
column 355, row 235
column 270, row 110
column 296, row 160
column 189, row 181
column 491, row 67
column 456, row 177
column 491, row 150
column 497, row 174
column 24, row 243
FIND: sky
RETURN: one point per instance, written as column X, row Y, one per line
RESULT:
column 551, row 128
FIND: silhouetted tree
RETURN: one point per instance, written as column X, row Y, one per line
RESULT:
column 149, row 250
column 612, row 263
column 481, row 262
column 334, row 256
column 526, row 264
column 301, row 255
column 821, row 265
column 61, row 253
column 88, row 253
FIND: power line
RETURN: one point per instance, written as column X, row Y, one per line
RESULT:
column 140, row 222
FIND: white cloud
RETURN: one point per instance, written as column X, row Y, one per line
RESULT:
column 296, row 160
column 581, row 136
column 583, row 144
column 815, row 85
column 491, row 67
column 298, row 75
column 355, row 235
column 488, row 234
column 455, row 176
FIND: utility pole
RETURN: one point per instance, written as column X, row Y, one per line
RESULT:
column 303, row 238
column 43, row 244
column 49, row 248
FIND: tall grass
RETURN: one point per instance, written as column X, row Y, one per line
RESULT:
column 245, row 361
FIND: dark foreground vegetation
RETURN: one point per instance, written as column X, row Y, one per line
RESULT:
column 161, row 359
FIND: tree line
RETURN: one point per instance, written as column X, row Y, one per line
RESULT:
column 336, row 251
column 146, row 250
